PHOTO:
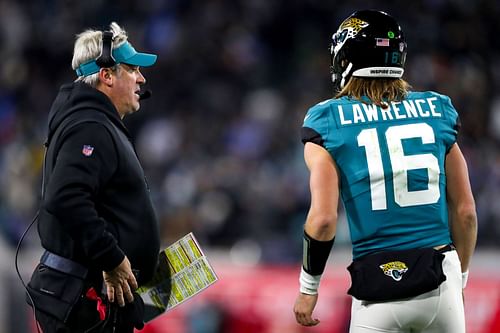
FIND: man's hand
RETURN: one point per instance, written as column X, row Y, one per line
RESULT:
column 303, row 308
column 120, row 282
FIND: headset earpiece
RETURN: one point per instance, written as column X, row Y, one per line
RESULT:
column 106, row 59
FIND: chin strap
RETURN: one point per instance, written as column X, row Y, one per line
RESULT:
column 345, row 74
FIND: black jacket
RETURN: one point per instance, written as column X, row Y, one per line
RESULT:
column 96, row 206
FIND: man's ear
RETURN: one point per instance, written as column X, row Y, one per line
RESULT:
column 106, row 76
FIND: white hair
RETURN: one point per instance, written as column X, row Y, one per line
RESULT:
column 88, row 46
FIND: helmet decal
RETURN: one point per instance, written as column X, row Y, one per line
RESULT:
column 369, row 43
column 348, row 29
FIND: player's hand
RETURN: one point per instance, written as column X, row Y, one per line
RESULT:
column 303, row 308
column 120, row 282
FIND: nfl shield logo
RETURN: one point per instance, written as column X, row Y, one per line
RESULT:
column 87, row 150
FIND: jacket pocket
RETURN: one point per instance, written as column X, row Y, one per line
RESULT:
column 53, row 292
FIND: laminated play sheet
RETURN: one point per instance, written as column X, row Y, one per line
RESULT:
column 183, row 271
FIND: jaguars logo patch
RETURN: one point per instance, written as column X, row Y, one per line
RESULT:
column 394, row 269
column 348, row 29
column 354, row 25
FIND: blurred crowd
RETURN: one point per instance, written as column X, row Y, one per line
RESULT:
column 219, row 138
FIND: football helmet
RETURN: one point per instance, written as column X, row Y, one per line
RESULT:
column 368, row 43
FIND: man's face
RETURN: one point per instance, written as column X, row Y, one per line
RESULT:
column 126, row 87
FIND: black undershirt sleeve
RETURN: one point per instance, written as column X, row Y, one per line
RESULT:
column 309, row 135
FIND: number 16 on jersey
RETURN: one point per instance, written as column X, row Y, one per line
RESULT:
column 401, row 164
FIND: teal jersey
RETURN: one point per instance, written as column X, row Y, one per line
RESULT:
column 392, row 167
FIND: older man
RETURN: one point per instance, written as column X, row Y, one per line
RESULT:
column 96, row 220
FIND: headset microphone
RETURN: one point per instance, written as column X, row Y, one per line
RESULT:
column 145, row 94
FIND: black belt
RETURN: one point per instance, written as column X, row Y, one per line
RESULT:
column 64, row 265
column 447, row 248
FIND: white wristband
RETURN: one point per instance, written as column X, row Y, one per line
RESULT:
column 465, row 277
column 309, row 284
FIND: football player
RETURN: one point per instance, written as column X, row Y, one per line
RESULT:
column 391, row 155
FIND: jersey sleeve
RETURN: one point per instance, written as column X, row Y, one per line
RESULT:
column 315, row 126
column 452, row 121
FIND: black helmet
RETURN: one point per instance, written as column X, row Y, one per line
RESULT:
column 368, row 43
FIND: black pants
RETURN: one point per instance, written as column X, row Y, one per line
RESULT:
column 84, row 318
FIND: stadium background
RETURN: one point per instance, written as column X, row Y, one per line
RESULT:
column 219, row 139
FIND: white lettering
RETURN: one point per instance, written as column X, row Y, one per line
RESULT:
column 411, row 110
column 386, row 113
column 433, row 107
column 342, row 118
column 363, row 113
column 357, row 114
column 396, row 110
column 371, row 111
column 423, row 113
